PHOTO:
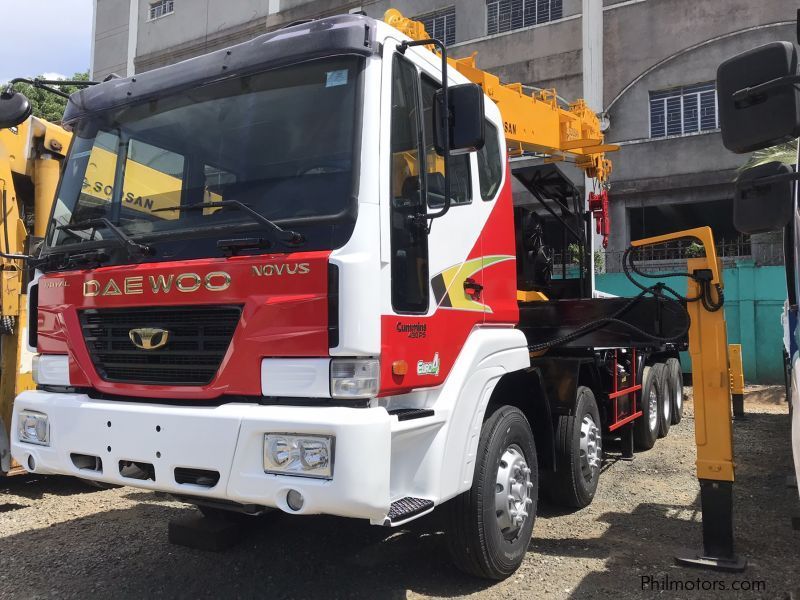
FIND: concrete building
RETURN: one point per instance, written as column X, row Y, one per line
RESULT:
column 650, row 68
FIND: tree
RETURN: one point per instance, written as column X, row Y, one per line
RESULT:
column 785, row 153
column 47, row 105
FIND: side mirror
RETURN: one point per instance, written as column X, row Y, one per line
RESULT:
column 14, row 109
column 466, row 118
column 759, row 103
column 763, row 198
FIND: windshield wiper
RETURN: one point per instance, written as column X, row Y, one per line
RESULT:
column 65, row 259
column 234, row 246
column 287, row 236
column 134, row 248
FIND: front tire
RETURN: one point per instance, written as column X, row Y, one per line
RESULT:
column 489, row 526
column 645, row 428
column 579, row 454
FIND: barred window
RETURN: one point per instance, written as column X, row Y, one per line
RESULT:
column 161, row 8
column 441, row 24
column 507, row 15
column 682, row 110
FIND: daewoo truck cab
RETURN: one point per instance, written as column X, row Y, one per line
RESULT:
column 307, row 288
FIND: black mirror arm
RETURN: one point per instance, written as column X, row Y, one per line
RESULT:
column 764, row 181
column 445, row 117
column 45, row 84
column 749, row 93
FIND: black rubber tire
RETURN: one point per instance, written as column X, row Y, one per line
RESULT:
column 476, row 544
column 644, row 437
column 664, row 400
column 675, row 385
column 568, row 486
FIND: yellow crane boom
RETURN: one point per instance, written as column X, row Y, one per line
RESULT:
column 535, row 122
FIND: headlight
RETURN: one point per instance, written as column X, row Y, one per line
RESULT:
column 34, row 428
column 50, row 369
column 295, row 454
column 355, row 377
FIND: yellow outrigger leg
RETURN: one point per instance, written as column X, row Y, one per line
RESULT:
column 711, row 380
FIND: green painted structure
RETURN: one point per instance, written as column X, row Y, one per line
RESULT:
column 754, row 297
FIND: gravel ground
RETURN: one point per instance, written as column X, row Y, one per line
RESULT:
column 60, row 538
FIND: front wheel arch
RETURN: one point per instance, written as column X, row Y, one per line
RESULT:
column 525, row 390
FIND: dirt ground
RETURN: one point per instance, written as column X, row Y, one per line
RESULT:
column 60, row 538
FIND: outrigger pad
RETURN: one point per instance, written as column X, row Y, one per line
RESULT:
column 716, row 501
column 203, row 533
column 690, row 558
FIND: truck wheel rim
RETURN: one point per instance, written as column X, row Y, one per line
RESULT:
column 590, row 447
column 652, row 402
column 512, row 492
column 666, row 404
column 679, row 396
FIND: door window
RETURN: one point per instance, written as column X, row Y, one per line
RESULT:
column 409, row 238
column 490, row 163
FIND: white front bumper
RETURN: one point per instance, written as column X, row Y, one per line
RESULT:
column 227, row 439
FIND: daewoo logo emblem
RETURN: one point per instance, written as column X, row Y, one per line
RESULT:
column 149, row 338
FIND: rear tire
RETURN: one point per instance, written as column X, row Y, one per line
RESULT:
column 675, row 385
column 645, row 428
column 489, row 526
column 579, row 454
column 664, row 400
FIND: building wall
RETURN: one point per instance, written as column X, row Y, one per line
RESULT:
column 677, row 169
column 214, row 25
column 110, row 38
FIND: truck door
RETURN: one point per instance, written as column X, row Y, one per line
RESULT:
column 436, row 277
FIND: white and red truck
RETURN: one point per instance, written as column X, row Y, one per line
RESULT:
column 322, row 299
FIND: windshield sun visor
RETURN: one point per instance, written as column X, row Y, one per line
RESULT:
column 342, row 34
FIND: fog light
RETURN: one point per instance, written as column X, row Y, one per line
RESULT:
column 295, row 454
column 355, row 378
column 34, row 428
column 50, row 369
column 295, row 500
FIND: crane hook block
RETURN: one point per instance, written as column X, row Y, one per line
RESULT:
column 598, row 204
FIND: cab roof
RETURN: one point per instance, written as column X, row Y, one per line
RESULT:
column 342, row 34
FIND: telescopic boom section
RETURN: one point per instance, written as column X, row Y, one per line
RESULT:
column 532, row 123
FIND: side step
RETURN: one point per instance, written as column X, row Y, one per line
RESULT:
column 406, row 414
column 407, row 508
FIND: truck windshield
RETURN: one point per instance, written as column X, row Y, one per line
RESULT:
column 282, row 142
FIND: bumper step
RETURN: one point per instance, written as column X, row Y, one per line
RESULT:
column 406, row 508
column 406, row 414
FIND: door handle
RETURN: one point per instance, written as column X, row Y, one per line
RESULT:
column 472, row 288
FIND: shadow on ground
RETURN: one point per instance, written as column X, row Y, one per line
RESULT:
column 125, row 553
column 639, row 547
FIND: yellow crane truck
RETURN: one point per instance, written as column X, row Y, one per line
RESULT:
column 30, row 161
